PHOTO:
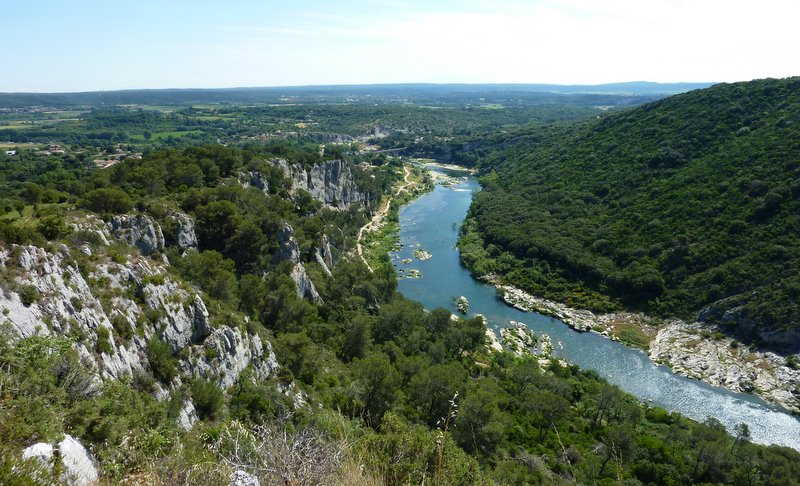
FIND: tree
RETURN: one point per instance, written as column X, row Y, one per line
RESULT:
column 480, row 426
column 741, row 435
column 108, row 200
column 52, row 227
column 377, row 385
column 432, row 388
column 217, row 221
column 356, row 338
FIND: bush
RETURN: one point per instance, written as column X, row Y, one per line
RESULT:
column 29, row 294
column 208, row 399
column 104, row 341
column 122, row 326
column 163, row 364
column 53, row 227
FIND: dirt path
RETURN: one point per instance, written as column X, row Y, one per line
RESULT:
column 379, row 217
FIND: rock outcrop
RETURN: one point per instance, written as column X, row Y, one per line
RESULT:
column 138, row 230
column 289, row 251
column 187, row 417
column 77, row 464
column 254, row 178
column 243, row 478
column 324, row 256
column 697, row 350
column 226, row 353
column 330, row 182
column 114, row 310
column 517, row 338
column 492, row 342
column 694, row 350
column 185, row 236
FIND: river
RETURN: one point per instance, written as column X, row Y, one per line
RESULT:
column 432, row 221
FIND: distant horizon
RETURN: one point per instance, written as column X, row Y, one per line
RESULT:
column 388, row 84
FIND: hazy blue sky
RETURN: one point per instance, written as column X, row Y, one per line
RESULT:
column 75, row 45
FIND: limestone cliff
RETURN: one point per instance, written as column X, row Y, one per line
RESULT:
column 331, row 182
column 289, row 251
column 113, row 309
column 138, row 230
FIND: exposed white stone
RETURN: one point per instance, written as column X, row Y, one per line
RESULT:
column 138, row 230
column 290, row 251
column 330, row 182
column 187, row 416
column 242, row 478
column 79, row 465
column 67, row 306
column 42, row 452
column 492, row 341
column 226, row 353
column 185, row 235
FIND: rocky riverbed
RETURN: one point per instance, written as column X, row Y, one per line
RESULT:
column 694, row 350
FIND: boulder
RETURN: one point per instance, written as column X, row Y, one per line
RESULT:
column 78, row 465
column 187, row 416
column 185, row 236
column 138, row 230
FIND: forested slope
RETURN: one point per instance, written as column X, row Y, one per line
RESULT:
column 683, row 203
column 391, row 394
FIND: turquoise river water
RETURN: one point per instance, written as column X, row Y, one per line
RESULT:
column 432, row 222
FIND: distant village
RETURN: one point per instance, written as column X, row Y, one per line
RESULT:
column 103, row 158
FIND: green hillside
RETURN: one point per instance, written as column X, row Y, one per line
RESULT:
column 690, row 201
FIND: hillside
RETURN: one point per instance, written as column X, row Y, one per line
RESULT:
column 197, row 316
column 682, row 206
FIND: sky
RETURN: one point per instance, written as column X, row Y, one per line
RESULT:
column 86, row 45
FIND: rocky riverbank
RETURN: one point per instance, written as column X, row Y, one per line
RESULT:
column 694, row 350
column 697, row 351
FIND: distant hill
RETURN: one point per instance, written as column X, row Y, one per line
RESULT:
column 422, row 92
column 691, row 202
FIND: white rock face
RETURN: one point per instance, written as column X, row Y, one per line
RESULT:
column 321, row 260
column 187, row 416
column 42, row 452
column 78, row 464
column 330, row 182
column 518, row 338
column 226, row 353
column 723, row 363
column 492, row 342
column 138, row 230
column 184, row 230
column 290, row 251
column 257, row 180
column 140, row 296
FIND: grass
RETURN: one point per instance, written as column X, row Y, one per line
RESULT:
column 632, row 335
column 27, row 218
